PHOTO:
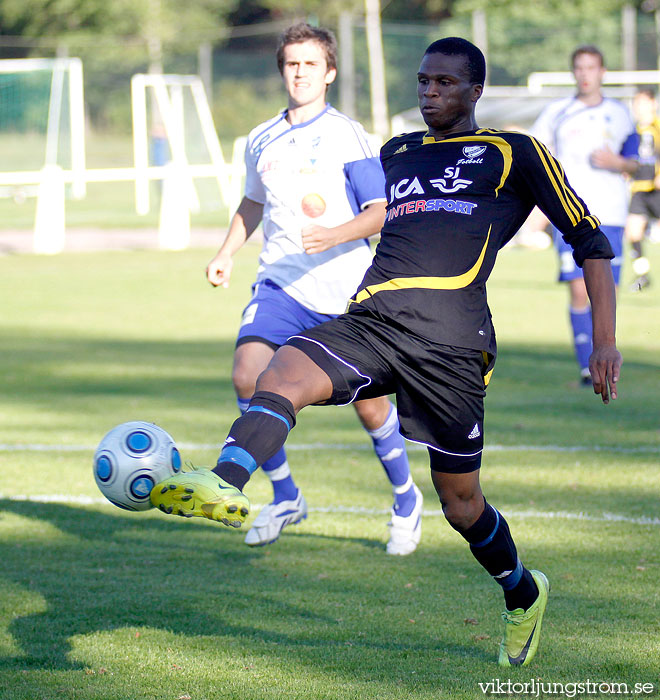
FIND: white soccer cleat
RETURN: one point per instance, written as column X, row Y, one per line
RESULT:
column 270, row 522
column 405, row 533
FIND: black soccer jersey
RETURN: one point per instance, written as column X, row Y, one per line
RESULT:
column 452, row 204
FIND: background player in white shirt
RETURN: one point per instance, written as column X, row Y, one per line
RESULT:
column 314, row 181
column 594, row 138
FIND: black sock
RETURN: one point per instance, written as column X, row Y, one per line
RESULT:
column 255, row 437
column 493, row 547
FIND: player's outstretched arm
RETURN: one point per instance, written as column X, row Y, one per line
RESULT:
column 316, row 239
column 242, row 226
column 605, row 361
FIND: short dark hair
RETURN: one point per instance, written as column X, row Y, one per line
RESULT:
column 301, row 32
column 455, row 46
column 590, row 50
column 648, row 91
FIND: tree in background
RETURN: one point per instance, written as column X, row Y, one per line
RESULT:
column 120, row 37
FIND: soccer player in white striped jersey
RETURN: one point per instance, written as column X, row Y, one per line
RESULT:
column 594, row 138
column 317, row 186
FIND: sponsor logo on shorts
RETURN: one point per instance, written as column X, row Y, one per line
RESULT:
column 567, row 263
column 475, row 432
column 249, row 314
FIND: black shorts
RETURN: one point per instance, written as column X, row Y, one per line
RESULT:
column 439, row 388
column 646, row 203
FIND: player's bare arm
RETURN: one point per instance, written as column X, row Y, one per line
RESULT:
column 605, row 361
column 316, row 239
column 242, row 226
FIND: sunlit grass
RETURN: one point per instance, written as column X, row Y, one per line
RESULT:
column 99, row 604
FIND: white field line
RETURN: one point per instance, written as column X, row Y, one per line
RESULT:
column 412, row 447
column 331, row 510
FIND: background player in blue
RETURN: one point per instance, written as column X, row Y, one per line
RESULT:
column 314, row 182
column 594, row 138
column 419, row 324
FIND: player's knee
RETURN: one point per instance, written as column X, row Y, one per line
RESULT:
column 373, row 412
column 293, row 375
column 462, row 510
column 456, row 481
column 244, row 379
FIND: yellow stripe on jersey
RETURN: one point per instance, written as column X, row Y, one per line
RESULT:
column 559, row 170
column 497, row 141
column 457, row 282
column 557, row 185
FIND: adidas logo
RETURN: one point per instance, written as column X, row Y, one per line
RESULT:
column 401, row 150
column 475, row 432
column 228, row 441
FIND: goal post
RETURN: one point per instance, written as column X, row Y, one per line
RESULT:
column 177, row 109
column 59, row 113
column 538, row 80
column 189, row 168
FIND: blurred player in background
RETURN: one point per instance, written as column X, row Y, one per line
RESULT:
column 420, row 325
column 314, row 181
column 645, row 202
column 594, row 138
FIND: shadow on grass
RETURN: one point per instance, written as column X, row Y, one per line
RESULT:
column 331, row 604
column 111, row 572
column 62, row 368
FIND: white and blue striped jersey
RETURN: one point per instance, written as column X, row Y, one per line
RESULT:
column 573, row 131
column 323, row 172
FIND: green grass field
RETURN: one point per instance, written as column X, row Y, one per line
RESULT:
column 100, row 604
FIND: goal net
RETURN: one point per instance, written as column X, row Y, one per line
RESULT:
column 41, row 122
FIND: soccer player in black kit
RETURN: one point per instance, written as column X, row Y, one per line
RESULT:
column 419, row 324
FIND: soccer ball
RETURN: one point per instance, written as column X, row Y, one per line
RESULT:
column 131, row 459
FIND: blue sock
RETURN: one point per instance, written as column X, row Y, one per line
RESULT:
column 582, row 340
column 277, row 468
column 391, row 451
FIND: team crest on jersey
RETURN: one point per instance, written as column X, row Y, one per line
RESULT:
column 473, row 151
column 472, row 155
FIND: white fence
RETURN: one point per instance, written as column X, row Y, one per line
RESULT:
column 179, row 197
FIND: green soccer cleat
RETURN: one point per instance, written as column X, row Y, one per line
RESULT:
column 523, row 627
column 201, row 493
